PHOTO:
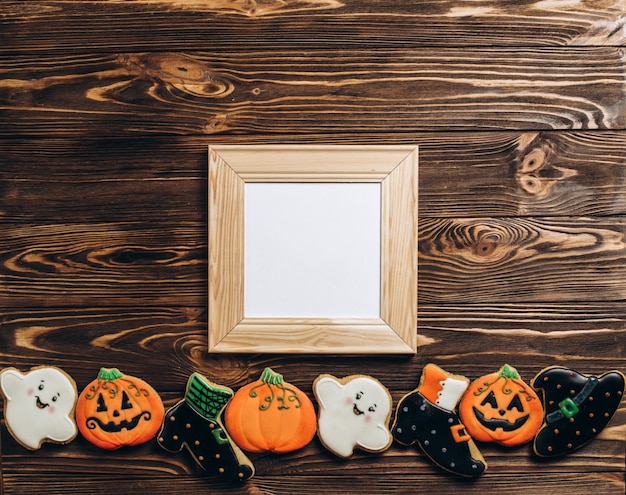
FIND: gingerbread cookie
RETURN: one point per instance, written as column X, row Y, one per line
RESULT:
column 577, row 408
column 354, row 413
column 39, row 405
column 117, row 410
column 501, row 408
column 194, row 424
column 270, row 415
column 427, row 416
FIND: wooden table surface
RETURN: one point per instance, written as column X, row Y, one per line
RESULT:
column 106, row 112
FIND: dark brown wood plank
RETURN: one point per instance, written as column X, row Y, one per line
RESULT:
column 96, row 264
column 607, row 484
column 562, row 259
column 146, row 25
column 474, row 174
column 313, row 92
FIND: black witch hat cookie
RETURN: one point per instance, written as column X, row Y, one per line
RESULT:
column 194, row 423
column 428, row 416
column 577, row 408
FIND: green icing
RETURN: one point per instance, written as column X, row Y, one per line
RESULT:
column 206, row 398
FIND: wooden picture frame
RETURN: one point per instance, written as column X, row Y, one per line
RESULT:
column 395, row 168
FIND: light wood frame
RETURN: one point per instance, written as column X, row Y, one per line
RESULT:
column 394, row 167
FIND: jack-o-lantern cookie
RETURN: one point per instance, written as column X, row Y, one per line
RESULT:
column 194, row 424
column 39, row 405
column 427, row 416
column 117, row 410
column 501, row 408
column 270, row 415
column 354, row 413
column 577, row 408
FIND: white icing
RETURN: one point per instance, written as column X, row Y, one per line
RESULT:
column 39, row 405
column 451, row 392
column 353, row 414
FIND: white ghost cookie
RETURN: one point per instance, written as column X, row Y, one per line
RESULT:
column 353, row 413
column 39, row 405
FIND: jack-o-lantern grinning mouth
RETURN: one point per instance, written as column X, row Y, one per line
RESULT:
column 39, row 404
column 494, row 424
column 111, row 427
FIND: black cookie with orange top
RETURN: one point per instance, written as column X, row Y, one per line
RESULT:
column 577, row 408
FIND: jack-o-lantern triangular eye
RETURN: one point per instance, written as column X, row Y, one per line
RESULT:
column 516, row 403
column 126, row 404
column 491, row 400
column 102, row 406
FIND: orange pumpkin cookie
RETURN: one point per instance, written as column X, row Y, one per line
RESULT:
column 501, row 408
column 270, row 415
column 117, row 410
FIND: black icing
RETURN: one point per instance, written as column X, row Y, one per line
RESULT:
column 561, row 434
column 503, row 424
column 419, row 420
column 207, row 442
column 111, row 427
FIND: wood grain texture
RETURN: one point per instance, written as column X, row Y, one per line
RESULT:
column 315, row 91
column 106, row 111
column 245, row 25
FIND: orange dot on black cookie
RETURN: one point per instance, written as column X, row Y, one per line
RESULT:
column 201, row 458
column 608, row 394
column 217, row 456
column 175, row 437
column 591, row 415
column 196, row 442
column 211, row 426
column 240, row 475
column 569, row 445
column 577, row 433
column 187, row 426
column 221, row 470
column 549, row 448
column 172, row 418
column 556, row 431
column 559, row 386
column 573, row 392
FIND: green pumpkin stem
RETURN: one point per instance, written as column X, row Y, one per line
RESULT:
column 109, row 374
column 509, row 372
column 270, row 377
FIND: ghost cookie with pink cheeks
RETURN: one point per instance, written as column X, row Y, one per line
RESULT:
column 354, row 413
column 39, row 405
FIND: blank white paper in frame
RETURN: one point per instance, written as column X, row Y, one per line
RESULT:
column 312, row 250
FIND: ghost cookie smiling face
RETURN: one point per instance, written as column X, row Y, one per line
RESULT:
column 39, row 405
column 354, row 413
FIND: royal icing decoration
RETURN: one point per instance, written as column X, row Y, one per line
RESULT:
column 39, row 405
column 427, row 416
column 354, row 413
column 194, row 424
column 577, row 408
column 501, row 408
column 117, row 410
column 270, row 415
